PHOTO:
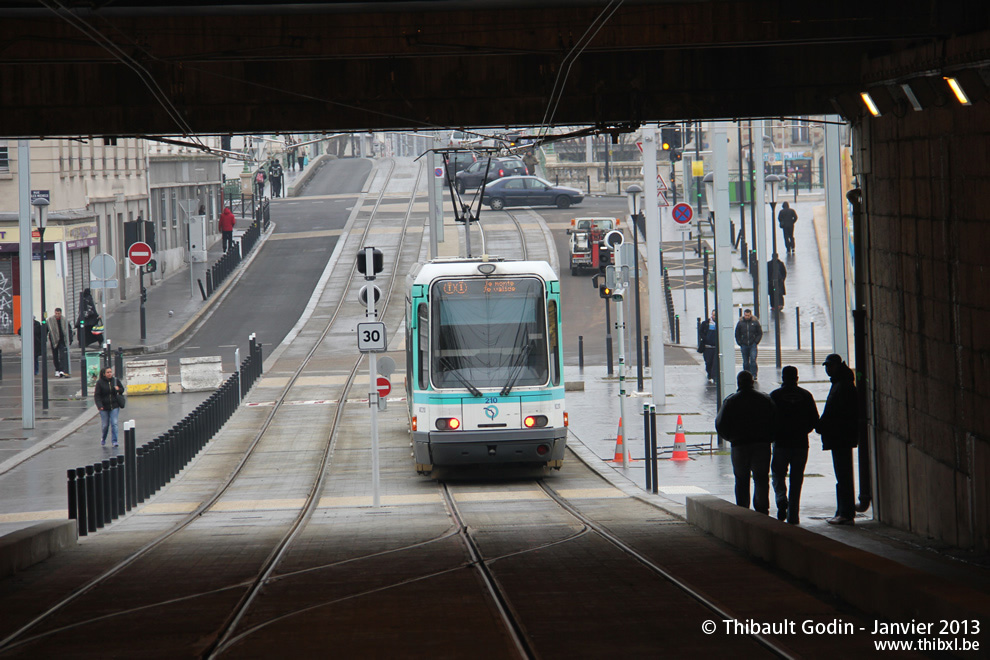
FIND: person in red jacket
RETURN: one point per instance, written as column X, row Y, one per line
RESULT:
column 227, row 222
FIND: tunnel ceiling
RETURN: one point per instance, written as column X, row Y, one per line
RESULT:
column 145, row 68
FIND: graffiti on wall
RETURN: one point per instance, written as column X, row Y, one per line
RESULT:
column 6, row 299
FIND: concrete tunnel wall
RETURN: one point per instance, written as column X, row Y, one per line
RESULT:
column 926, row 179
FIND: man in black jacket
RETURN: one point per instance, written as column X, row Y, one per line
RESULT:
column 747, row 419
column 797, row 416
column 749, row 333
column 786, row 219
column 108, row 403
column 837, row 427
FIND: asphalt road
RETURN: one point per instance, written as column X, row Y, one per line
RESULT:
column 273, row 292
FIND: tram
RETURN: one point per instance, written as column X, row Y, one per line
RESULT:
column 484, row 379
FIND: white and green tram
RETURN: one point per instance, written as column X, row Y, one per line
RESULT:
column 484, row 364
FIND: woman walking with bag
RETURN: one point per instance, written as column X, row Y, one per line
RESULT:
column 109, row 396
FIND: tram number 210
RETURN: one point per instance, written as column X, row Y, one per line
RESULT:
column 371, row 337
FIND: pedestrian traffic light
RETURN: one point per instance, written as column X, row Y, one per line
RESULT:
column 378, row 262
column 604, row 291
column 676, row 155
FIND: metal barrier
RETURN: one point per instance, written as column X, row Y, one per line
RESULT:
column 231, row 259
column 104, row 491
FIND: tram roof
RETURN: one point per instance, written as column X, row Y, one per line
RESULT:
column 461, row 267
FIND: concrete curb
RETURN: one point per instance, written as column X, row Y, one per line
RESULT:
column 874, row 584
column 34, row 544
column 55, row 438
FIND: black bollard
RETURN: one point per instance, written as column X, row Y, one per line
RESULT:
column 98, row 494
column 797, row 325
column 677, row 329
column 141, row 473
column 107, row 492
column 813, row 360
column 73, row 510
column 646, row 351
column 130, row 470
column 118, row 364
column 646, row 444
column 653, row 449
column 81, row 501
column 82, row 373
column 111, row 476
column 121, row 487
column 581, row 351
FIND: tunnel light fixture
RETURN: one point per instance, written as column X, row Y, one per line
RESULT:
column 870, row 104
column 957, row 90
column 911, row 97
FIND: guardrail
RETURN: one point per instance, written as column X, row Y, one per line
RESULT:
column 231, row 259
column 102, row 492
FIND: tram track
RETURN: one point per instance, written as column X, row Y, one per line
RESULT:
column 21, row 636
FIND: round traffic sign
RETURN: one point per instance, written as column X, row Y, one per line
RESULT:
column 103, row 267
column 438, row 172
column 139, row 253
column 682, row 213
column 384, row 386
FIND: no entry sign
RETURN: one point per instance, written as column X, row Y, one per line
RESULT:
column 384, row 386
column 139, row 253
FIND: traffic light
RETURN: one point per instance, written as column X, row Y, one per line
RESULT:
column 676, row 155
column 670, row 138
column 378, row 262
column 604, row 291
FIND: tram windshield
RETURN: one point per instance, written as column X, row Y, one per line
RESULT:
column 489, row 333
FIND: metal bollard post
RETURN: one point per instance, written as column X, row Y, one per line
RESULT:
column 82, row 373
column 646, row 351
column 1, row 364
column 107, row 492
column 141, row 469
column 98, row 480
column 646, row 444
column 653, row 449
column 121, row 487
column 677, row 329
column 81, row 501
column 130, row 466
column 73, row 510
column 118, row 364
column 813, row 360
column 581, row 351
column 92, row 503
column 111, row 477
column 797, row 325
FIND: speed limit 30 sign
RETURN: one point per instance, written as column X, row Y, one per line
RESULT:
column 371, row 337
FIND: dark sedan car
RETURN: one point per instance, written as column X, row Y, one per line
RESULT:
column 529, row 191
column 500, row 167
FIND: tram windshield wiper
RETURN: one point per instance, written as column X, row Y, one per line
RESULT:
column 464, row 381
column 520, row 361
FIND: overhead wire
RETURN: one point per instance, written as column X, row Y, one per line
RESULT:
column 61, row 11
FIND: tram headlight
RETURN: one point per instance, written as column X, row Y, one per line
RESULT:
column 448, row 424
column 535, row 421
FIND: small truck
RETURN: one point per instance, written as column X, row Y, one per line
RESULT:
column 587, row 243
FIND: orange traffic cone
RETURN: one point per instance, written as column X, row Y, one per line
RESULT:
column 680, row 444
column 620, row 447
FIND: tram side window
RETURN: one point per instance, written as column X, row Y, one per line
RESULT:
column 553, row 341
column 423, row 342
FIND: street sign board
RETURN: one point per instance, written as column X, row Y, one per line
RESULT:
column 386, row 366
column 103, row 267
column 438, row 172
column 103, row 284
column 682, row 213
column 371, row 337
column 139, row 253
column 41, row 194
column 384, row 386
column 662, row 199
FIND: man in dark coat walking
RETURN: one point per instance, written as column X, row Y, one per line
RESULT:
column 749, row 333
column 797, row 416
column 708, row 346
column 786, row 219
column 776, row 274
column 748, row 419
column 838, row 429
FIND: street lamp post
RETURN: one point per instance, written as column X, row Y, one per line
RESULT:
column 772, row 182
column 42, row 204
column 634, row 194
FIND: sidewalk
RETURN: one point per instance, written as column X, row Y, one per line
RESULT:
column 32, row 480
